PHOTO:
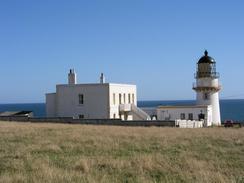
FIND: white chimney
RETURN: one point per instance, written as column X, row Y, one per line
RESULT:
column 72, row 77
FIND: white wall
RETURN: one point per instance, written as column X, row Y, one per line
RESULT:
column 95, row 100
column 125, row 90
column 51, row 104
column 189, row 124
column 174, row 113
column 211, row 82
column 213, row 99
column 98, row 100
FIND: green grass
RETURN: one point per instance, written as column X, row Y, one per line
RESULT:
column 82, row 153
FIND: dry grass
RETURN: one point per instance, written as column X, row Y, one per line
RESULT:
column 79, row 153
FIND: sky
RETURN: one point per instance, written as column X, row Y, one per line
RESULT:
column 154, row 44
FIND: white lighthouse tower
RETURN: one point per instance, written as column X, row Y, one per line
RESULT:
column 207, row 86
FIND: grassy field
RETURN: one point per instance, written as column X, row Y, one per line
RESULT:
column 81, row 153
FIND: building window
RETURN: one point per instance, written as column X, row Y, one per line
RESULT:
column 124, row 99
column 114, row 100
column 182, row 116
column 129, row 98
column 81, row 99
column 133, row 98
column 190, row 116
column 81, row 116
column 120, row 99
column 206, row 96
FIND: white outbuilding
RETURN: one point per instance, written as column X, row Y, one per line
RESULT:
column 94, row 101
column 189, row 113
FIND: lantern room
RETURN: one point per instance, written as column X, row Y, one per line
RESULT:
column 206, row 67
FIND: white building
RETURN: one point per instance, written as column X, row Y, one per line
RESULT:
column 207, row 97
column 196, row 113
column 94, row 101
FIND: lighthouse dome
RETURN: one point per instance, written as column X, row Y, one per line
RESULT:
column 206, row 59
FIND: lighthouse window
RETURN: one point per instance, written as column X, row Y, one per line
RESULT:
column 206, row 96
column 81, row 99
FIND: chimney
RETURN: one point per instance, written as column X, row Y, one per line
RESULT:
column 102, row 79
column 72, row 77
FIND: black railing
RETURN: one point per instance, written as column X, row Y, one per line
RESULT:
column 195, row 85
column 206, row 75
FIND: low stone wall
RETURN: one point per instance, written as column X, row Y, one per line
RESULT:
column 126, row 123
column 14, row 118
column 69, row 120
column 51, row 120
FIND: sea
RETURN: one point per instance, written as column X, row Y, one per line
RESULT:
column 230, row 109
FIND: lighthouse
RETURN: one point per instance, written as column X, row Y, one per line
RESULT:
column 207, row 86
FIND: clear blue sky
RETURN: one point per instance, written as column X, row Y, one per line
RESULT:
column 154, row 44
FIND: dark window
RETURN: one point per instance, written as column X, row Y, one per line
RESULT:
column 190, row 116
column 114, row 100
column 81, row 99
column 182, row 116
column 206, row 96
column 120, row 98
column 81, row 116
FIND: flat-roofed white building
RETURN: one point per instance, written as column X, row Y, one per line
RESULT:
column 195, row 112
column 94, row 101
